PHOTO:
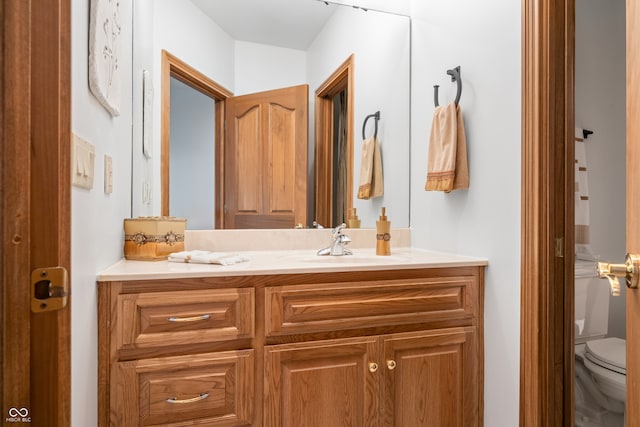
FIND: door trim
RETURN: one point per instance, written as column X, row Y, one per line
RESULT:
column 172, row 66
column 546, row 343
column 342, row 78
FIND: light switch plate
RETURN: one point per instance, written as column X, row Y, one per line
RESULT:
column 83, row 156
column 108, row 174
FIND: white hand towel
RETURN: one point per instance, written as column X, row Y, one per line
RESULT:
column 184, row 256
column 206, row 257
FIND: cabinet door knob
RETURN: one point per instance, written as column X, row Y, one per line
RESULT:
column 373, row 366
column 391, row 364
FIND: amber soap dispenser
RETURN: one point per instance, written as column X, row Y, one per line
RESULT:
column 383, row 236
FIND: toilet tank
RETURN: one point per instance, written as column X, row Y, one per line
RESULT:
column 591, row 303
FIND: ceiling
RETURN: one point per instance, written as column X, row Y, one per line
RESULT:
column 286, row 23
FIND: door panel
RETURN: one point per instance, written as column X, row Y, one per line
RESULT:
column 431, row 379
column 266, row 159
column 282, row 160
column 633, row 208
column 318, row 384
column 248, row 161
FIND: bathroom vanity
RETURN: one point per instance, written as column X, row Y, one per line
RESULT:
column 293, row 339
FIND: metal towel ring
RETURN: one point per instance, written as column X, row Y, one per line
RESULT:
column 455, row 77
column 376, row 116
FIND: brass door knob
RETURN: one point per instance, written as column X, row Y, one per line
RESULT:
column 373, row 366
column 630, row 270
column 391, row 365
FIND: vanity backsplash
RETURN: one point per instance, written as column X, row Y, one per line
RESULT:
column 285, row 239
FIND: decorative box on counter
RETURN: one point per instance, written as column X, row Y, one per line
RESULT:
column 153, row 238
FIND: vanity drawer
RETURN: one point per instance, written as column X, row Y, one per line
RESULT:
column 160, row 319
column 214, row 389
column 328, row 307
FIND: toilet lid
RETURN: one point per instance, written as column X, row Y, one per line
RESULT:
column 610, row 353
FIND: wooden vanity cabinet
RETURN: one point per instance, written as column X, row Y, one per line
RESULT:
column 398, row 348
column 413, row 356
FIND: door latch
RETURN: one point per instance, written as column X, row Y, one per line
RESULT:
column 49, row 289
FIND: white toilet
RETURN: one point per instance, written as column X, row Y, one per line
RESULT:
column 600, row 361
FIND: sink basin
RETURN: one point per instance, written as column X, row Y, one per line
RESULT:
column 357, row 258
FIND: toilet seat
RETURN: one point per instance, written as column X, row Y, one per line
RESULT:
column 608, row 353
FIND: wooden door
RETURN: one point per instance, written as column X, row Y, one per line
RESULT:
column 323, row 383
column 266, row 159
column 35, row 191
column 432, row 379
column 633, row 208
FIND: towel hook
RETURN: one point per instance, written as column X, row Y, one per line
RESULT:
column 376, row 117
column 455, row 77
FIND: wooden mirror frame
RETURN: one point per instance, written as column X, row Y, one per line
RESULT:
column 547, row 239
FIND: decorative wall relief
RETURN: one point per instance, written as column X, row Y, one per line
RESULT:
column 104, row 53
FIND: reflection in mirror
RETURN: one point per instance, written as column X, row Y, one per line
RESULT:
column 191, row 155
column 218, row 39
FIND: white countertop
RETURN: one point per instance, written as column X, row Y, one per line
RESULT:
column 289, row 262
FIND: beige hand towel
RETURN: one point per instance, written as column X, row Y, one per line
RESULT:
column 447, row 165
column 371, row 180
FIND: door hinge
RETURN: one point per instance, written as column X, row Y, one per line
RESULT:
column 560, row 247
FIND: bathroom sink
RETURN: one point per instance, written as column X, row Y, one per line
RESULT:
column 357, row 258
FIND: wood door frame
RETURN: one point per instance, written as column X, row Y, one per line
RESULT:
column 342, row 78
column 35, row 188
column 547, row 239
column 172, row 66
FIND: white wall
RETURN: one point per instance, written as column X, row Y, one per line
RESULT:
column 184, row 31
column 192, row 159
column 97, row 218
column 600, row 107
column 484, row 39
column 381, row 46
column 260, row 67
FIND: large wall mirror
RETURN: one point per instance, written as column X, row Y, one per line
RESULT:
column 344, row 63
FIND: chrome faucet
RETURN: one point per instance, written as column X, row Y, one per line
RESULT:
column 338, row 240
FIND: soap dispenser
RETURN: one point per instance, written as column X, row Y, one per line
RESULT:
column 383, row 236
column 353, row 221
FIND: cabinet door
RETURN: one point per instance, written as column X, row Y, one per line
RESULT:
column 214, row 389
column 432, row 379
column 323, row 383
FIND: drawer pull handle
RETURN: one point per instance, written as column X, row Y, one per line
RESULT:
column 391, row 364
column 198, row 398
column 189, row 319
column 373, row 366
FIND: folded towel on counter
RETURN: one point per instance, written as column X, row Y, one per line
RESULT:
column 371, row 181
column 206, row 257
column 447, row 163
